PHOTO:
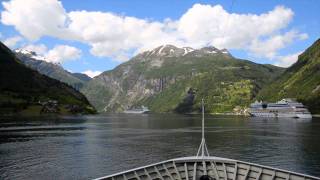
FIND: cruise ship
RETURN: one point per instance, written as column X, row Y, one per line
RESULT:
column 142, row 110
column 285, row 108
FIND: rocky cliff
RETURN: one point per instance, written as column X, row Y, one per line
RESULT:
column 164, row 77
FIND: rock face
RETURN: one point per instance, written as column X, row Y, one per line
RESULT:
column 83, row 77
column 300, row 81
column 55, row 71
column 167, row 76
column 21, row 89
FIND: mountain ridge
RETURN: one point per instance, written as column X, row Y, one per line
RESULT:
column 171, row 51
column 162, row 81
column 26, row 91
column 53, row 70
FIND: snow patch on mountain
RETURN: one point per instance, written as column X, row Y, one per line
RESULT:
column 162, row 47
column 35, row 56
column 225, row 51
column 187, row 50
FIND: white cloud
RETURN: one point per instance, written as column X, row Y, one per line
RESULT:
column 12, row 41
column 58, row 54
column 91, row 73
column 259, row 35
column 40, row 49
column 119, row 37
column 34, row 18
column 288, row 60
column 269, row 47
column 63, row 53
column 112, row 35
column 215, row 26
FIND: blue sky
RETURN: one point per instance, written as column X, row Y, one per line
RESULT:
column 99, row 35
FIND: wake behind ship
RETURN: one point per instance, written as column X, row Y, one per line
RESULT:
column 287, row 108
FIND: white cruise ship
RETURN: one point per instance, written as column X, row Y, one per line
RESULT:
column 285, row 108
column 142, row 110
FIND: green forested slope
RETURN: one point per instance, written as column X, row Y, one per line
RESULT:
column 300, row 81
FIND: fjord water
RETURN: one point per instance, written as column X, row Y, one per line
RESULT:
column 85, row 147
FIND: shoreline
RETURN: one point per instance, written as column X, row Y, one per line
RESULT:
column 85, row 114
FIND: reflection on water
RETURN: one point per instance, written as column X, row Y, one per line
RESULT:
column 93, row 146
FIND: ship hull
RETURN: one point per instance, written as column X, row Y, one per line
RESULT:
column 304, row 116
column 280, row 115
column 267, row 115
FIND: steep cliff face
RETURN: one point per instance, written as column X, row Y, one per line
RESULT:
column 300, row 81
column 161, row 79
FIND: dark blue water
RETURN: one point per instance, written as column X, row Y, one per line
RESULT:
column 94, row 146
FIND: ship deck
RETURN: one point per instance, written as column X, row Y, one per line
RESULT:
column 213, row 167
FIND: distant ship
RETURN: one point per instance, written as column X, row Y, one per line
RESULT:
column 285, row 108
column 142, row 110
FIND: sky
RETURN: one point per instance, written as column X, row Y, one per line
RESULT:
column 92, row 36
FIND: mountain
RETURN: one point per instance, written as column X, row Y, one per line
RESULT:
column 300, row 81
column 25, row 91
column 82, row 77
column 55, row 71
column 169, row 78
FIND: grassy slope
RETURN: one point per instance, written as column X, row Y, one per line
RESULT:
column 299, row 81
column 224, row 83
column 21, row 88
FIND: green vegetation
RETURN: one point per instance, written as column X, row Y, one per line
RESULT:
column 21, row 89
column 97, row 95
column 162, row 83
column 300, row 81
column 224, row 82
